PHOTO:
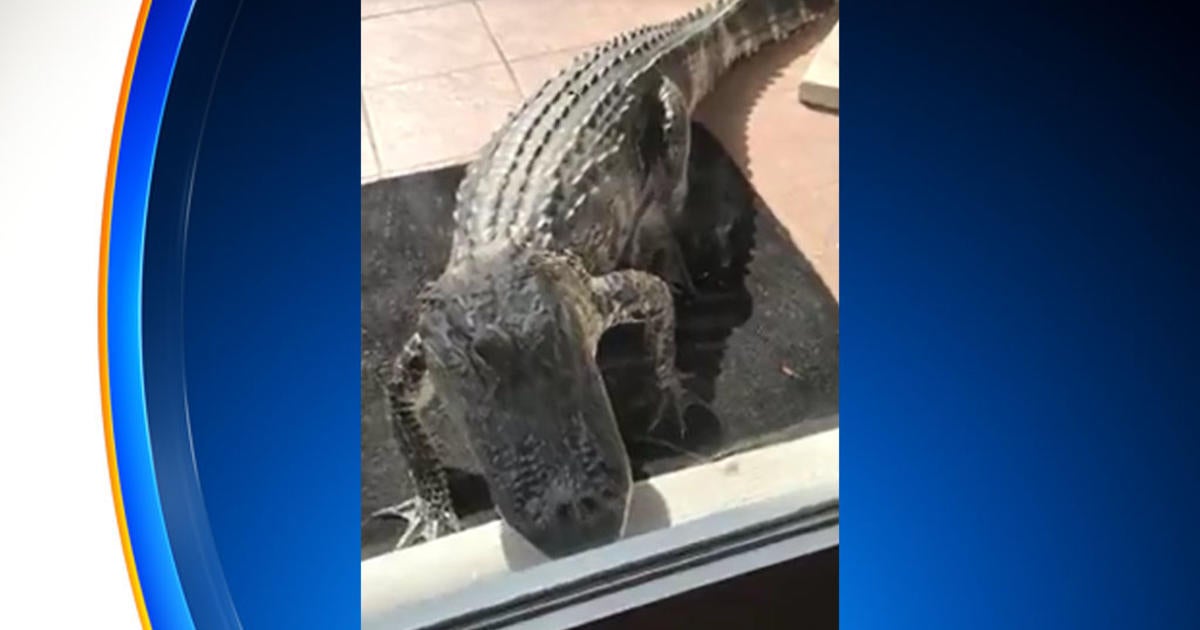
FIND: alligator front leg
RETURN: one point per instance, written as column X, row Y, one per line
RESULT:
column 430, row 513
column 632, row 296
column 663, row 152
column 677, row 134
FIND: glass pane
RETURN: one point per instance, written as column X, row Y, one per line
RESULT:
column 749, row 260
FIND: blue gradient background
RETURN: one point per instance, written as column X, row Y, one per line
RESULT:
column 1017, row 275
column 251, row 312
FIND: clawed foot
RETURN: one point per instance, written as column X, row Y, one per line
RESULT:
column 680, row 279
column 425, row 522
column 673, row 406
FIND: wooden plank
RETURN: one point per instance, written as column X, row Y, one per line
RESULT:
column 821, row 82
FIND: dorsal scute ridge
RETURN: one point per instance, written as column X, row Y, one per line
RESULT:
column 605, row 108
column 574, row 90
column 573, row 148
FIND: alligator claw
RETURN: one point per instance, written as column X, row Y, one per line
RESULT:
column 425, row 522
column 673, row 406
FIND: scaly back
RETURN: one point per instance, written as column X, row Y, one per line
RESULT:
column 540, row 165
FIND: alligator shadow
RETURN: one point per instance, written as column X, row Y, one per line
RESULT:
column 759, row 337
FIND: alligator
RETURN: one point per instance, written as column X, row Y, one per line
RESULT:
column 564, row 228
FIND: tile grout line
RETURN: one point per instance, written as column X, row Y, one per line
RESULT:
column 362, row 103
column 558, row 51
column 423, row 77
column 504, row 61
column 512, row 76
column 436, row 5
column 577, row 48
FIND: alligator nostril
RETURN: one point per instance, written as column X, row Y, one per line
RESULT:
column 566, row 524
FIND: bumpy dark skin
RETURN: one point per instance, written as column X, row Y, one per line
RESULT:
column 564, row 228
column 508, row 342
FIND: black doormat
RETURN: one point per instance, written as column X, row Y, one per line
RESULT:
column 760, row 336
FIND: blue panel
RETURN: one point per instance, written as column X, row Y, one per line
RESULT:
column 1018, row 280
column 156, row 568
column 253, row 306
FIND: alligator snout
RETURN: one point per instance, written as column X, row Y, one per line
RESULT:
column 570, row 523
column 563, row 484
column 567, row 509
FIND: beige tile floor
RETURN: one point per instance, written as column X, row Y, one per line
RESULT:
column 438, row 76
